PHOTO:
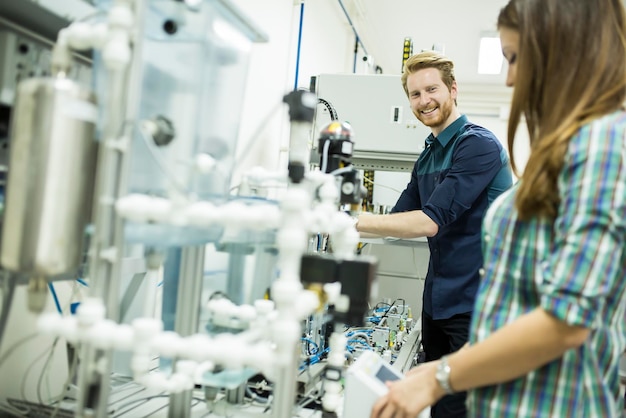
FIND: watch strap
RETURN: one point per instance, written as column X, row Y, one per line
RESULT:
column 443, row 375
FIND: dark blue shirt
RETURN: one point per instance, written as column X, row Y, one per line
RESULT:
column 454, row 180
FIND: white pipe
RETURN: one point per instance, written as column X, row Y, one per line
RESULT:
column 336, row 359
column 236, row 214
column 146, row 339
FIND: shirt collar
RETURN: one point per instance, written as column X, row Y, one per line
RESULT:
column 447, row 134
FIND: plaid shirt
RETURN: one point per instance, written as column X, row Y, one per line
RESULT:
column 575, row 269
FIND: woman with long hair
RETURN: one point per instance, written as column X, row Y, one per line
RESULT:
column 548, row 327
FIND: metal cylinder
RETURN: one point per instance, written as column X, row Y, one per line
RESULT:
column 52, row 166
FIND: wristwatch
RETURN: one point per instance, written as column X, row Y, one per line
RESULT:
column 443, row 375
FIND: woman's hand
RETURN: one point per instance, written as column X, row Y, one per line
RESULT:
column 409, row 396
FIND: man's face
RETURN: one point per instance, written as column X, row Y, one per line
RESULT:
column 431, row 101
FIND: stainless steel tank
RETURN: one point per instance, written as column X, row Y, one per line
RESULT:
column 50, row 183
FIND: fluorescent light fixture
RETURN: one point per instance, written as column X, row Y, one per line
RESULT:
column 490, row 55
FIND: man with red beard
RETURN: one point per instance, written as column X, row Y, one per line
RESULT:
column 462, row 169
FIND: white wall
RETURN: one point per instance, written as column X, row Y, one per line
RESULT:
column 326, row 46
column 456, row 24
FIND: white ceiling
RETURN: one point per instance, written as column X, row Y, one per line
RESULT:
column 383, row 25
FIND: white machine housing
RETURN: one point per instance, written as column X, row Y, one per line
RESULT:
column 365, row 383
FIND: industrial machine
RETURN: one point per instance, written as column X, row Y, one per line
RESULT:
column 133, row 161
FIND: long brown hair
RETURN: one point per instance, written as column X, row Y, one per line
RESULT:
column 571, row 69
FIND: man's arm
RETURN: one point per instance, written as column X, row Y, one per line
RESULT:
column 411, row 224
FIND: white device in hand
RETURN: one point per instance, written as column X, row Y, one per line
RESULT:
column 365, row 383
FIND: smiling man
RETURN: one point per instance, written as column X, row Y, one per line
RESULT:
column 456, row 177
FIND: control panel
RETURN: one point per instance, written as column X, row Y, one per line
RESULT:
column 22, row 57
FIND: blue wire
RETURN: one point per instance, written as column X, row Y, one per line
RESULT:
column 311, row 342
column 355, row 53
column 352, row 26
column 295, row 83
column 358, row 39
column 81, row 281
column 54, row 296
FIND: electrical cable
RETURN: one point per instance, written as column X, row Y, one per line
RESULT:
column 310, row 343
column 358, row 38
column 54, row 296
column 331, row 110
column 131, row 385
column 117, row 413
column 360, row 341
column 71, row 306
column 30, row 367
column 8, row 407
column 132, row 403
column 387, row 311
column 295, row 83
column 15, row 346
column 325, row 156
column 382, row 185
column 257, row 398
column 45, row 369
column 70, row 376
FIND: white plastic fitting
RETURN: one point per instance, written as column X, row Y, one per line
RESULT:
column 197, row 347
column 146, row 329
column 102, row 334
column 203, row 214
column 176, row 383
column 63, row 326
column 285, row 292
column 292, row 240
column 295, row 200
column 264, row 306
column 142, row 208
column 169, row 343
column 90, row 311
column 286, row 332
column 332, row 291
column 336, row 358
column 328, row 192
column 336, row 355
column 116, row 52
column 262, row 357
column 124, row 337
column 305, row 304
column 331, row 398
column 61, row 59
column 205, row 163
